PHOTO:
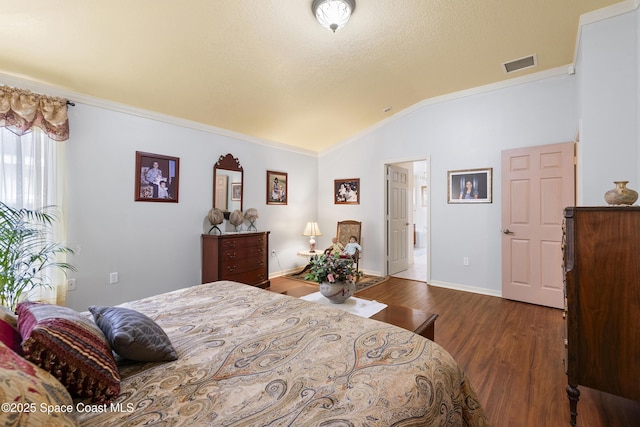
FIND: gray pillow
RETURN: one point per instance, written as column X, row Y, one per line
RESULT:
column 133, row 335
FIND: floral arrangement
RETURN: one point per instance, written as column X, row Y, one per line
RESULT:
column 331, row 268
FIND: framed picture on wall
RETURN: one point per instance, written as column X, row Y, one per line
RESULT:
column 157, row 178
column 346, row 191
column 236, row 191
column 276, row 188
column 470, row 186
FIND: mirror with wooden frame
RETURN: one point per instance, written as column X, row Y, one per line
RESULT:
column 228, row 189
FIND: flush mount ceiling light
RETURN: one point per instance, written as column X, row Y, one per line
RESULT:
column 333, row 14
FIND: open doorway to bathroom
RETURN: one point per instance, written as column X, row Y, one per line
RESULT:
column 418, row 219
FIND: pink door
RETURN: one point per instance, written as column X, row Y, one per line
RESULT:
column 537, row 184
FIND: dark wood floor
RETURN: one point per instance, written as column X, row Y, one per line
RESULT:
column 513, row 354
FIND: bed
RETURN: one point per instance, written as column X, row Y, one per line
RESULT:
column 250, row 357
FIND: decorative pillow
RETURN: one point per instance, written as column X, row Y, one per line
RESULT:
column 71, row 347
column 10, row 336
column 25, row 389
column 133, row 335
column 8, row 316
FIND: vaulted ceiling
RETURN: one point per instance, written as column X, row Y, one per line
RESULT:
column 267, row 69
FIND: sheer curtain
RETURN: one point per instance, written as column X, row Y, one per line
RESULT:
column 32, row 128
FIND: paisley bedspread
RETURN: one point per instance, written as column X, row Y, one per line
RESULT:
column 250, row 357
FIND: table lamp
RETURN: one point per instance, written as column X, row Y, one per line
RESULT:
column 312, row 230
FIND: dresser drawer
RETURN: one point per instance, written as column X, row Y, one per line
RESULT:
column 241, row 243
column 238, row 254
column 241, row 265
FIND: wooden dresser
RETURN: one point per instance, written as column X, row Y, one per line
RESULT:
column 602, row 301
column 242, row 257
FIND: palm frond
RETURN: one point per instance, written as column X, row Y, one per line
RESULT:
column 27, row 251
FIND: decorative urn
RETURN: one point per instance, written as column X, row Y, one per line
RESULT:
column 621, row 195
column 338, row 292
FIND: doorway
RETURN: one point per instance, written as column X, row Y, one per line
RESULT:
column 416, row 240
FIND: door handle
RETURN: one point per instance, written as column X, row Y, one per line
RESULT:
column 507, row 231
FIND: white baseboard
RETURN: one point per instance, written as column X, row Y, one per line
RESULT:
column 285, row 272
column 474, row 289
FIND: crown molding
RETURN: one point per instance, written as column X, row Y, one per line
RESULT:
column 608, row 12
column 78, row 98
column 585, row 19
column 541, row 75
column 600, row 15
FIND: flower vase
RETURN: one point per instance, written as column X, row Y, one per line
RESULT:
column 338, row 292
column 621, row 195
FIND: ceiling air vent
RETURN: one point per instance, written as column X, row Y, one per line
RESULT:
column 520, row 64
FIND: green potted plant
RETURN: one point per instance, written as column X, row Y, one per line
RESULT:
column 27, row 253
column 336, row 276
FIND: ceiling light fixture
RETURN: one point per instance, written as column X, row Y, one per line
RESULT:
column 333, row 14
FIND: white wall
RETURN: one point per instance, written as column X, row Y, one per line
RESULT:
column 609, row 73
column 155, row 247
column 464, row 133
column 471, row 132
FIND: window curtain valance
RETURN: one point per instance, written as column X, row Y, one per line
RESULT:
column 20, row 110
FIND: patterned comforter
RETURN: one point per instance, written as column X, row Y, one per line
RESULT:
column 250, row 357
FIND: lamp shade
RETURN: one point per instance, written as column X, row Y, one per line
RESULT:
column 312, row 229
column 333, row 14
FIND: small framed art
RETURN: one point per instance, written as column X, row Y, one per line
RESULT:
column 276, row 188
column 157, row 178
column 347, row 191
column 470, row 186
column 236, row 191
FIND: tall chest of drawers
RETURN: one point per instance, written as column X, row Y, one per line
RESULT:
column 242, row 257
column 602, row 288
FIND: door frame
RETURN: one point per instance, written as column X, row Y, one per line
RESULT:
column 385, row 207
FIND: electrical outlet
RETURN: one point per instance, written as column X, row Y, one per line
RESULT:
column 113, row 278
column 273, row 253
column 465, row 261
column 71, row 285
